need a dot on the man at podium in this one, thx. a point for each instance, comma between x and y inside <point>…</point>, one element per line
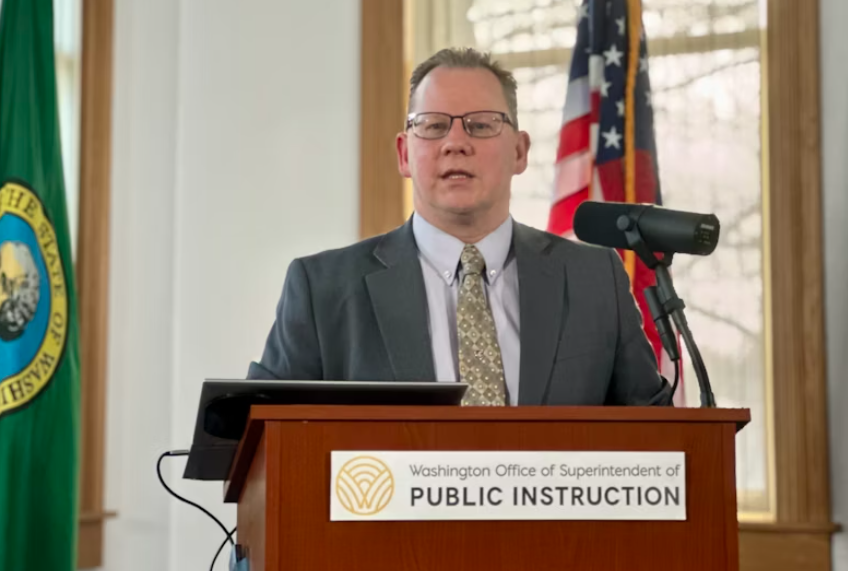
<point>461,291</point>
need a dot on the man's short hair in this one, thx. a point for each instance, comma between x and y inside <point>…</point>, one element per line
<point>468,58</point>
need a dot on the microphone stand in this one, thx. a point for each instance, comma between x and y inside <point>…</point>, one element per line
<point>663,301</point>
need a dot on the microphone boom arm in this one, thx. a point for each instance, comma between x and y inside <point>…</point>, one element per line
<point>669,302</point>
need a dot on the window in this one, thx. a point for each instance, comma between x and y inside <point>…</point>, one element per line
<point>67,31</point>
<point>705,63</point>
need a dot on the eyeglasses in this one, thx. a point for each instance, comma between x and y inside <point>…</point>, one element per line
<point>478,124</point>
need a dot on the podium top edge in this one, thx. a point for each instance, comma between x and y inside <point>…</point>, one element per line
<point>738,416</point>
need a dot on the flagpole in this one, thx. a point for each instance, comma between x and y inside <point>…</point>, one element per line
<point>634,24</point>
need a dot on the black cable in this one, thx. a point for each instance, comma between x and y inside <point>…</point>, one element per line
<point>220,547</point>
<point>676,378</point>
<point>707,397</point>
<point>228,534</point>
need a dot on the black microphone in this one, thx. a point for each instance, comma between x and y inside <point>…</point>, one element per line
<point>647,230</point>
<point>663,230</point>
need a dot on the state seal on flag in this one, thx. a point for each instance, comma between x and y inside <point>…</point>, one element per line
<point>33,297</point>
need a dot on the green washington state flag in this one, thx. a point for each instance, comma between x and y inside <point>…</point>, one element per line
<point>39,340</point>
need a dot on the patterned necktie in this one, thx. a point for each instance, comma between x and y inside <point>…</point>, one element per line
<point>480,362</point>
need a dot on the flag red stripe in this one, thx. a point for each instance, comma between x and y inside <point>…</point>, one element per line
<point>574,137</point>
<point>611,175</point>
<point>596,106</point>
<point>562,213</point>
<point>572,174</point>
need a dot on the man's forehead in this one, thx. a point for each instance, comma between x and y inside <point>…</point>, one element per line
<point>459,90</point>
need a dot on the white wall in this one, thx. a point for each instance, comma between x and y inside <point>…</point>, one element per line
<point>235,149</point>
<point>141,283</point>
<point>834,73</point>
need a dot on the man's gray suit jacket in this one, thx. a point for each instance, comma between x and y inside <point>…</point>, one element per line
<point>360,313</point>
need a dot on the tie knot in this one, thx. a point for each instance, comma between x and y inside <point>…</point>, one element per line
<point>472,260</point>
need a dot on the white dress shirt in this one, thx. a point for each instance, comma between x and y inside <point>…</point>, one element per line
<point>439,255</point>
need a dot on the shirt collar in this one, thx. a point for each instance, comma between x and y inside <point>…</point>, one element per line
<point>442,251</point>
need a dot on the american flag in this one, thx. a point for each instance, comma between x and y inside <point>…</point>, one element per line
<point>606,147</point>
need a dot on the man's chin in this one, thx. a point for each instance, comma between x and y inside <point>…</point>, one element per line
<point>463,209</point>
<point>462,202</point>
<point>459,205</point>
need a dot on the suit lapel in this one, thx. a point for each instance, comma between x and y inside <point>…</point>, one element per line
<point>541,285</point>
<point>400,304</point>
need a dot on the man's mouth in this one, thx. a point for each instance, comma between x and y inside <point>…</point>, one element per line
<point>457,174</point>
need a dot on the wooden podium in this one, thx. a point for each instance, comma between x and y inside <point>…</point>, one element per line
<point>280,478</point>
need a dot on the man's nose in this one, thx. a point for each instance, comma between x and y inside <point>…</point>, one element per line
<point>457,141</point>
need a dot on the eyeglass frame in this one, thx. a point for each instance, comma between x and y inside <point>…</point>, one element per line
<point>504,117</point>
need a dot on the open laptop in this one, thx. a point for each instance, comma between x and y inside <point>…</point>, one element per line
<point>225,404</point>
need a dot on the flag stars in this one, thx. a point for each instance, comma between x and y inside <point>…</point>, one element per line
<point>605,85</point>
<point>621,23</point>
<point>619,105</point>
<point>613,56</point>
<point>612,139</point>
<point>643,64</point>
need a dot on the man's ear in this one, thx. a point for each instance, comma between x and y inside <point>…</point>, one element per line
<point>402,147</point>
<point>522,148</point>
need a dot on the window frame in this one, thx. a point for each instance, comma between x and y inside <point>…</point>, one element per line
<point>92,269</point>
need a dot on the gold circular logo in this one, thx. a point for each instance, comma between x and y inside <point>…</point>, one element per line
<point>364,485</point>
<point>33,298</point>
